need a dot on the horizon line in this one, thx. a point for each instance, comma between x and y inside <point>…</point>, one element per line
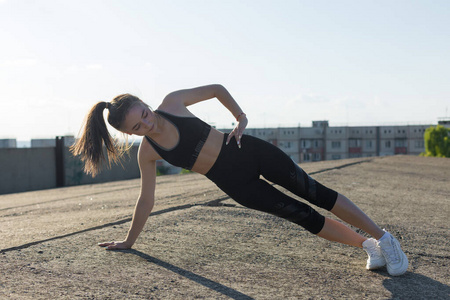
<point>269,126</point>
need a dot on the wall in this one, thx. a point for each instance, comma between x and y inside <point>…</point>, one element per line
<point>74,175</point>
<point>26,169</point>
<point>8,143</point>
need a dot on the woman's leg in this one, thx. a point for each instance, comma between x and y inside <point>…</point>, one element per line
<point>262,196</point>
<point>237,173</point>
<point>258,194</point>
<point>278,168</point>
<point>347,211</point>
<point>256,157</point>
<point>337,232</point>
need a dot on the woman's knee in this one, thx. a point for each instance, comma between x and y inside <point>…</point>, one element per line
<point>262,196</point>
<point>313,191</point>
<point>303,215</point>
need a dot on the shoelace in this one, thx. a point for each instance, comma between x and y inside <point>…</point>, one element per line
<point>391,252</point>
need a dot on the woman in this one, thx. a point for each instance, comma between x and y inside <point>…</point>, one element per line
<point>234,162</point>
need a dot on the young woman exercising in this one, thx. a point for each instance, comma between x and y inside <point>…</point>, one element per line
<point>234,162</point>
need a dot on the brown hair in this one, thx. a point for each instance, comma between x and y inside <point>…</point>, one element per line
<point>95,134</point>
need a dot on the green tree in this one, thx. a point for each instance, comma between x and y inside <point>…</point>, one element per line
<point>162,170</point>
<point>437,141</point>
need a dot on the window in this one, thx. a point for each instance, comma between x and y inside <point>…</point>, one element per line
<point>387,144</point>
<point>369,144</point>
<point>335,145</point>
<point>400,143</point>
<point>354,143</point>
<point>306,144</point>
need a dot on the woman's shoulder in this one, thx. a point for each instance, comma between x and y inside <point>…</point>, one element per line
<point>175,108</point>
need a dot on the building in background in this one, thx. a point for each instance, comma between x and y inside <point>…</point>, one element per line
<point>322,142</point>
<point>8,143</point>
<point>444,122</point>
<point>69,140</point>
<point>317,143</point>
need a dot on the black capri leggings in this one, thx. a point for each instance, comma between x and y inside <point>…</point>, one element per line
<point>237,173</point>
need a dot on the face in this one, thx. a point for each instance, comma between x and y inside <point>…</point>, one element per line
<point>140,120</point>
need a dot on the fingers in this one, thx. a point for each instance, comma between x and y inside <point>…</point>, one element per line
<point>238,140</point>
<point>105,244</point>
<point>229,138</point>
<point>238,131</point>
<point>110,245</point>
<point>116,245</point>
<point>237,135</point>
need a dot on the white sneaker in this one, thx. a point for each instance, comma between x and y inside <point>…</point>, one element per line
<point>376,259</point>
<point>396,260</point>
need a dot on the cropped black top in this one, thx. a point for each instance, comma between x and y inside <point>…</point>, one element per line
<point>192,133</point>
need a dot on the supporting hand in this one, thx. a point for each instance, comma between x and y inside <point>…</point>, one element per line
<point>115,245</point>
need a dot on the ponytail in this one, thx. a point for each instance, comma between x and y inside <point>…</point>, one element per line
<point>93,137</point>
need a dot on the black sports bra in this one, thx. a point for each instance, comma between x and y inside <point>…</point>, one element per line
<point>192,133</point>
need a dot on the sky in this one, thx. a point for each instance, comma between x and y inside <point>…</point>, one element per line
<point>286,63</point>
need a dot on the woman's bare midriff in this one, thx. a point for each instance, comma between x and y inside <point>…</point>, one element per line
<point>209,153</point>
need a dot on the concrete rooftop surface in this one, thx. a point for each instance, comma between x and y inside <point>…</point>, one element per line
<point>200,244</point>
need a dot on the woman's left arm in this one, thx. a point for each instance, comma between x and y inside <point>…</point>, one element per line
<point>195,95</point>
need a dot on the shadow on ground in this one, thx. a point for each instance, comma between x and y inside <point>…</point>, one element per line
<point>416,286</point>
<point>220,288</point>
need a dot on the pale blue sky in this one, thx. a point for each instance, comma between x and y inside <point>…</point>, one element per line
<point>285,62</point>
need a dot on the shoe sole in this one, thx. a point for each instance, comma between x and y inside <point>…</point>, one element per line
<point>374,267</point>
<point>402,270</point>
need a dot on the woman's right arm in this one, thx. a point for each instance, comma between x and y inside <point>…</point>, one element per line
<point>144,204</point>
